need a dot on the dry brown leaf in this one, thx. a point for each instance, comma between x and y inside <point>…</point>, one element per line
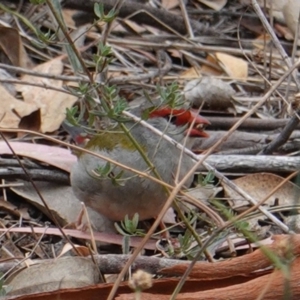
<point>204,193</point>
<point>13,110</point>
<point>62,203</point>
<point>12,209</point>
<point>214,4</point>
<point>68,17</point>
<point>170,217</point>
<point>55,156</point>
<point>134,26</point>
<point>291,14</point>
<point>190,73</point>
<point>284,31</point>
<point>9,249</point>
<point>83,250</point>
<point>262,41</point>
<point>175,53</point>
<point>258,186</point>
<point>52,103</point>
<point>11,44</point>
<point>208,70</point>
<point>62,273</point>
<point>235,67</point>
<point>152,30</point>
<point>169,4</point>
<point>60,199</point>
<point>124,25</point>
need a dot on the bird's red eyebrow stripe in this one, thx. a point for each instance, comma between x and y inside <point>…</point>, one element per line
<point>182,116</point>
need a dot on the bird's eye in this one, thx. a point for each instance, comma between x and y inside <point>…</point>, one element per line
<point>172,119</point>
<point>111,175</point>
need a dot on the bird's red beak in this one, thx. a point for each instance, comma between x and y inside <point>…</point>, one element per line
<point>184,117</point>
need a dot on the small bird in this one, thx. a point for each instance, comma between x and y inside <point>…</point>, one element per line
<point>114,192</point>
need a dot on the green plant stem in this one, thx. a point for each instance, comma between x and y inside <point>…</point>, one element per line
<point>68,38</point>
<point>22,18</point>
<point>117,6</point>
<point>76,52</point>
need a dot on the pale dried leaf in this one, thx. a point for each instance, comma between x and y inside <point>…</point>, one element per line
<point>170,217</point>
<point>262,41</point>
<point>62,203</point>
<point>12,110</point>
<point>291,14</point>
<point>190,73</point>
<point>258,186</point>
<point>236,68</point>
<point>84,251</point>
<point>55,156</point>
<point>169,4</point>
<point>68,17</point>
<point>204,193</point>
<point>214,4</point>
<point>123,26</point>
<point>11,44</point>
<point>206,69</point>
<point>62,273</point>
<point>175,53</point>
<point>13,210</point>
<point>9,249</point>
<point>285,32</point>
<point>52,103</point>
<point>134,26</point>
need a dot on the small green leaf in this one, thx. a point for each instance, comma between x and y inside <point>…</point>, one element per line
<point>71,116</point>
<point>103,171</point>
<point>135,220</point>
<point>120,230</point>
<point>99,10</point>
<point>91,120</point>
<point>130,227</point>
